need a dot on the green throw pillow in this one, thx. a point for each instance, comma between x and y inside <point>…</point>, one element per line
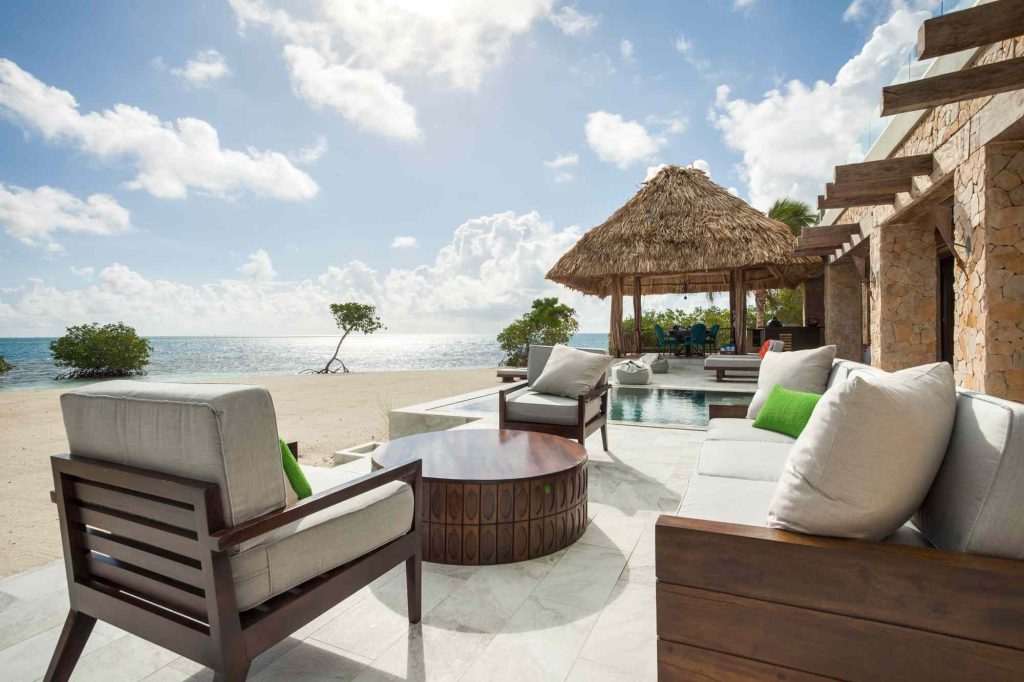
<point>786,411</point>
<point>294,472</point>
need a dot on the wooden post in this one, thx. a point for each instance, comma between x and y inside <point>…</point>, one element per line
<point>741,312</point>
<point>732,307</point>
<point>638,317</point>
<point>615,332</point>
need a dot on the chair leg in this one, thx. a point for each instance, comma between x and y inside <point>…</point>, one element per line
<point>604,437</point>
<point>233,670</point>
<point>77,628</point>
<point>414,586</point>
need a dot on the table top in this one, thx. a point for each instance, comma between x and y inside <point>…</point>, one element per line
<point>483,454</point>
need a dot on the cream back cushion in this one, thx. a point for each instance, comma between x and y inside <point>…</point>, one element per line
<point>221,433</point>
<point>570,372</point>
<point>798,370</point>
<point>868,455</point>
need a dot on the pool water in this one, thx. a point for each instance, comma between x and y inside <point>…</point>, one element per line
<point>665,406</point>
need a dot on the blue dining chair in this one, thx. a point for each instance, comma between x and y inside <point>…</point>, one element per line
<point>712,338</point>
<point>664,339</point>
<point>698,334</point>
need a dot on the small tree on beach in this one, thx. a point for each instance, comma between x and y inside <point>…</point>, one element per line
<point>91,351</point>
<point>350,317</point>
<point>5,366</point>
<point>548,322</point>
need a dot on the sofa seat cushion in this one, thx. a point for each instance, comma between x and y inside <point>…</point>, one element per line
<point>743,459</point>
<point>544,408</point>
<point>728,428</point>
<point>293,554</point>
<point>727,499</point>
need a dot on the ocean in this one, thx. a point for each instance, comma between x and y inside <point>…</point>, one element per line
<point>208,357</point>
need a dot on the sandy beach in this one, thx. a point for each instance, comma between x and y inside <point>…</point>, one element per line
<point>324,413</point>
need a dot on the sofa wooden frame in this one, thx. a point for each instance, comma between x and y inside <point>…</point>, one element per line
<point>747,602</point>
<point>578,431</point>
<point>149,553</point>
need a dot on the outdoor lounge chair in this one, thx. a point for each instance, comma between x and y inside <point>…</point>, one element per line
<point>178,524</point>
<point>720,364</point>
<point>664,340</point>
<point>521,408</point>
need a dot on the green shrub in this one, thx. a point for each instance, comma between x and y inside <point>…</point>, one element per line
<point>90,351</point>
<point>548,322</point>
<point>5,366</point>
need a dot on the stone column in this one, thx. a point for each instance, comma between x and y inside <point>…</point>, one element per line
<point>904,295</point>
<point>842,303</point>
<point>814,299</point>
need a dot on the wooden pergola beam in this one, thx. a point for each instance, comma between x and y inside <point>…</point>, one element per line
<point>851,202</point>
<point>974,27</point>
<point>979,81</point>
<point>867,188</point>
<point>811,252</point>
<point>898,167</point>
<point>821,241</point>
<point>838,230</point>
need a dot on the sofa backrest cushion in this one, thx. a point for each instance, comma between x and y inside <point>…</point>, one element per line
<point>537,360</point>
<point>220,433</point>
<point>800,370</point>
<point>976,503</point>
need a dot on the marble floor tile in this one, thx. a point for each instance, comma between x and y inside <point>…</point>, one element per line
<point>615,530</point>
<point>539,643</point>
<point>372,625</point>
<point>584,577</point>
<point>591,671</point>
<point>51,577</point>
<point>28,618</point>
<point>625,635</point>
<point>436,650</point>
<point>640,566</point>
<point>313,661</point>
<point>127,659</point>
<point>28,659</point>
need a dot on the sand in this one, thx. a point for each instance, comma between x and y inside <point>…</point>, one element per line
<point>324,413</point>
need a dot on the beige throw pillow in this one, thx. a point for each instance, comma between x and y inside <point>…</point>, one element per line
<point>868,455</point>
<point>799,370</point>
<point>570,372</point>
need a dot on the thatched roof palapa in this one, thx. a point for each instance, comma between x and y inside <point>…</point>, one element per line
<point>683,233</point>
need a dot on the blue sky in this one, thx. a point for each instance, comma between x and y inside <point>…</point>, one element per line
<point>226,167</point>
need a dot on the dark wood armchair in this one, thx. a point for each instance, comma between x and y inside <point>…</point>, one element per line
<point>149,553</point>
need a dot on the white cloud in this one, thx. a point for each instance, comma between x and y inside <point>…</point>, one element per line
<point>683,44</point>
<point>618,141</point>
<point>792,137</point>
<point>561,163</point>
<point>702,165</point>
<point>572,22</point>
<point>308,155</point>
<point>85,272</point>
<point>699,164</point>
<point>351,56</point>
<point>403,242</point>
<point>206,67</point>
<point>170,158</point>
<point>362,96</point>
<point>33,216</point>
<point>626,49</point>
<point>258,268</point>
<point>742,4</point>
<point>486,276</point>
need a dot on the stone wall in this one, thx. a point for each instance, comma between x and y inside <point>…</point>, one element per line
<point>843,310</point>
<point>814,300</point>
<point>904,284</point>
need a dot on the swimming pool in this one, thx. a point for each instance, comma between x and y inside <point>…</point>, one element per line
<point>663,406</point>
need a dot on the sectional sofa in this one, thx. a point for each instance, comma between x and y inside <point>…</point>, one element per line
<point>941,599</point>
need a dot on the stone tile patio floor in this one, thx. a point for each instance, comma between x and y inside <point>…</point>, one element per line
<point>584,613</point>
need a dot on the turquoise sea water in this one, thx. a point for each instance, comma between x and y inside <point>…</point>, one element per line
<point>206,357</point>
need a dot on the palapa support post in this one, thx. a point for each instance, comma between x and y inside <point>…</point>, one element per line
<point>738,309</point>
<point>638,317</point>
<point>616,319</point>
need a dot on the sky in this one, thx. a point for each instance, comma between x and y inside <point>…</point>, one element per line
<point>230,167</point>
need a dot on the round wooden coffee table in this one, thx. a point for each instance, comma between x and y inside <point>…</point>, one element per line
<point>494,496</point>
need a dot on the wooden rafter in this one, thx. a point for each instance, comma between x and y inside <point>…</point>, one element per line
<point>867,188</point>
<point>843,230</point>
<point>818,241</point>
<point>801,252</point>
<point>978,81</point>
<point>974,27</point>
<point>850,202</point>
<point>898,167</point>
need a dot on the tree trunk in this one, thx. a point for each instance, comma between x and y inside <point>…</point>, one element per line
<point>327,367</point>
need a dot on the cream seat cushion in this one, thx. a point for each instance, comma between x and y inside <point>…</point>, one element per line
<point>728,428</point>
<point>743,459</point>
<point>544,408</point>
<point>798,370</point>
<point>293,554</point>
<point>868,455</point>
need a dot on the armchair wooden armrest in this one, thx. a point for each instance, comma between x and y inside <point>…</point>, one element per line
<point>410,473</point>
<point>848,609</point>
<point>595,392</point>
<point>726,411</point>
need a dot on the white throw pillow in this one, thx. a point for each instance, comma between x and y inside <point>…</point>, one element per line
<point>868,455</point>
<point>570,372</point>
<point>797,370</point>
